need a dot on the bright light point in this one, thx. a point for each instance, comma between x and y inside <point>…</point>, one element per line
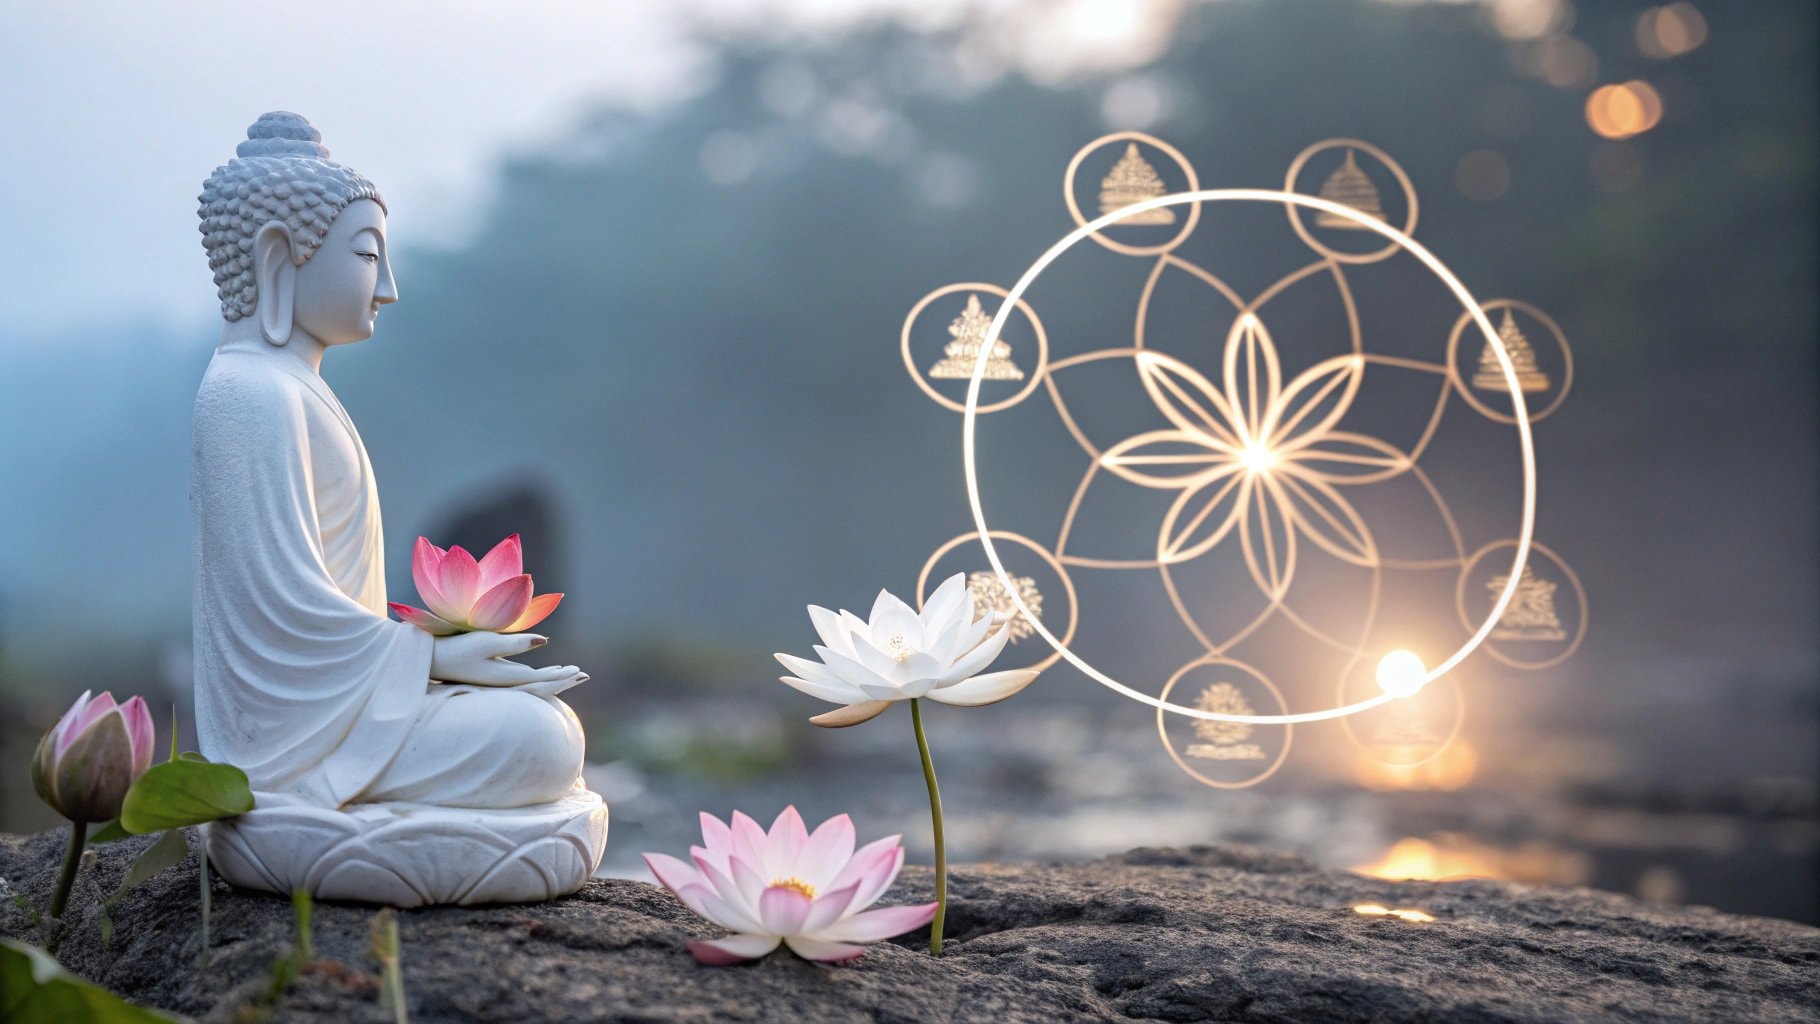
<point>1257,458</point>
<point>1401,673</point>
<point>1400,913</point>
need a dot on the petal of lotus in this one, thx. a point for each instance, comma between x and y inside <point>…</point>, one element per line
<point>733,892</point>
<point>458,581</point>
<point>784,843</point>
<point>717,837</point>
<point>875,867</point>
<point>879,666</point>
<point>749,846</point>
<point>139,730</point>
<point>944,607</point>
<point>918,687</point>
<point>91,712</point>
<point>854,625</point>
<point>540,608</point>
<point>705,903</point>
<point>987,689</point>
<point>829,627</point>
<point>426,621</point>
<point>822,678</point>
<point>823,952</point>
<point>783,910</point>
<point>897,619</point>
<point>977,659</point>
<point>751,885</point>
<point>505,561</point>
<point>734,949</point>
<point>426,569</point>
<point>671,873</point>
<point>883,607</point>
<point>92,776</point>
<point>502,605</point>
<point>946,646</point>
<point>852,714</point>
<point>827,850</point>
<point>842,694</point>
<point>64,730</point>
<point>876,925</point>
<point>850,669</point>
<point>828,908</point>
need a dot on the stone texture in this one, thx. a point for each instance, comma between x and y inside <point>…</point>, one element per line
<point>1167,935</point>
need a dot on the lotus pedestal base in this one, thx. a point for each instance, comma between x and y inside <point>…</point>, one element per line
<point>409,855</point>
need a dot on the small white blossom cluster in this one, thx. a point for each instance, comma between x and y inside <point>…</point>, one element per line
<point>281,172</point>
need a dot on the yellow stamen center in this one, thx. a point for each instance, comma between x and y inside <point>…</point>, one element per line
<point>795,883</point>
<point>899,648</point>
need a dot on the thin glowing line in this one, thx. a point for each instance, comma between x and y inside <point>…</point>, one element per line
<point>1263,195</point>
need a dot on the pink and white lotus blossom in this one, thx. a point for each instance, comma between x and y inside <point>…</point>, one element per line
<point>899,654</point>
<point>806,890</point>
<point>91,757</point>
<point>493,594</point>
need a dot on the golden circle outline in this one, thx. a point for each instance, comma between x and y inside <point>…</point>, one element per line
<point>1036,373</point>
<point>1163,729</point>
<point>1566,570</point>
<point>1525,438</point>
<point>1459,720</point>
<point>1396,169</point>
<point>1074,208</point>
<point>1054,563</point>
<point>1459,381</point>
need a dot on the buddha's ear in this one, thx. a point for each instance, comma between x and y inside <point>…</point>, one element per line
<point>275,275</point>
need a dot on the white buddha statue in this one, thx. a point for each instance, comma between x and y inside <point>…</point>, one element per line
<point>387,764</point>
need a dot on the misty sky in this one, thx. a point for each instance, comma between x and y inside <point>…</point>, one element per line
<point>114,113</point>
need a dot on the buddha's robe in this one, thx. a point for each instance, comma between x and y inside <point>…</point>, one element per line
<point>301,678</point>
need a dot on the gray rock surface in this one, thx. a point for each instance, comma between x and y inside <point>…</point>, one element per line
<point>1167,935</point>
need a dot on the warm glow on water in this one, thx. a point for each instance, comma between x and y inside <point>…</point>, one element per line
<point>1447,857</point>
<point>1401,913</point>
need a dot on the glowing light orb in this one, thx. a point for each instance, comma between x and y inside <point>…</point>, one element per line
<point>1402,674</point>
<point>1257,458</point>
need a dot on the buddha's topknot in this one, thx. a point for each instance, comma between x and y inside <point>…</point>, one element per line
<point>281,172</point>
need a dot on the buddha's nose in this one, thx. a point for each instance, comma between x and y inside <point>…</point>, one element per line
<point>385,291</point>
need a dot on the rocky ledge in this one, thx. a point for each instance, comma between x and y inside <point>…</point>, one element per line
<point>1171,935</point>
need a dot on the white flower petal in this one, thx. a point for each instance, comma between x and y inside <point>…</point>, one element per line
<point>978,658</point>
<point>944,606</point>
<point>852,714</point>
<point>829,627</point>
<point>987,689</point>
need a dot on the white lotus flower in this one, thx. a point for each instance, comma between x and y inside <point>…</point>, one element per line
<point>898,654</point>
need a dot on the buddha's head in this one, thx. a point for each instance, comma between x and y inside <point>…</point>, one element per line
<point>295,238</point>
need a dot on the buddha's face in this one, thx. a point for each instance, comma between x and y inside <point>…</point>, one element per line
<point>342,286</point>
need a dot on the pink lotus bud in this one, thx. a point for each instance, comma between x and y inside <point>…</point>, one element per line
<point>88,761</point>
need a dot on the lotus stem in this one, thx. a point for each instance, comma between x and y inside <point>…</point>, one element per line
<point>935,818</point>
<point>72,860</point>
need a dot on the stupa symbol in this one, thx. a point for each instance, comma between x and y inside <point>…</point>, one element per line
<point>1224,741</point>
<point>1490,376</point>
<point>1403,731</point>
<point>969,331</point>
<point>1349,186</point>
<point>991,598</point>
<point>1531,612</point>
<point>1133,180</point>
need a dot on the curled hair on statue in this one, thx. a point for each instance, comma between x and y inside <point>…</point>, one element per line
<point>282,172</point>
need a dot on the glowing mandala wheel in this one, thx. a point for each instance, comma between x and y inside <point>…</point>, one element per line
<point>1254,449</point>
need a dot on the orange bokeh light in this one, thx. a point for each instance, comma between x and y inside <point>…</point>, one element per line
<point>1623,110</point>
<point>1665,32</point>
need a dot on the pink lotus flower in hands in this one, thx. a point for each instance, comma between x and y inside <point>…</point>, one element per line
<point>86,763</point>
<point>809,891</point>
<point>493,594</point>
